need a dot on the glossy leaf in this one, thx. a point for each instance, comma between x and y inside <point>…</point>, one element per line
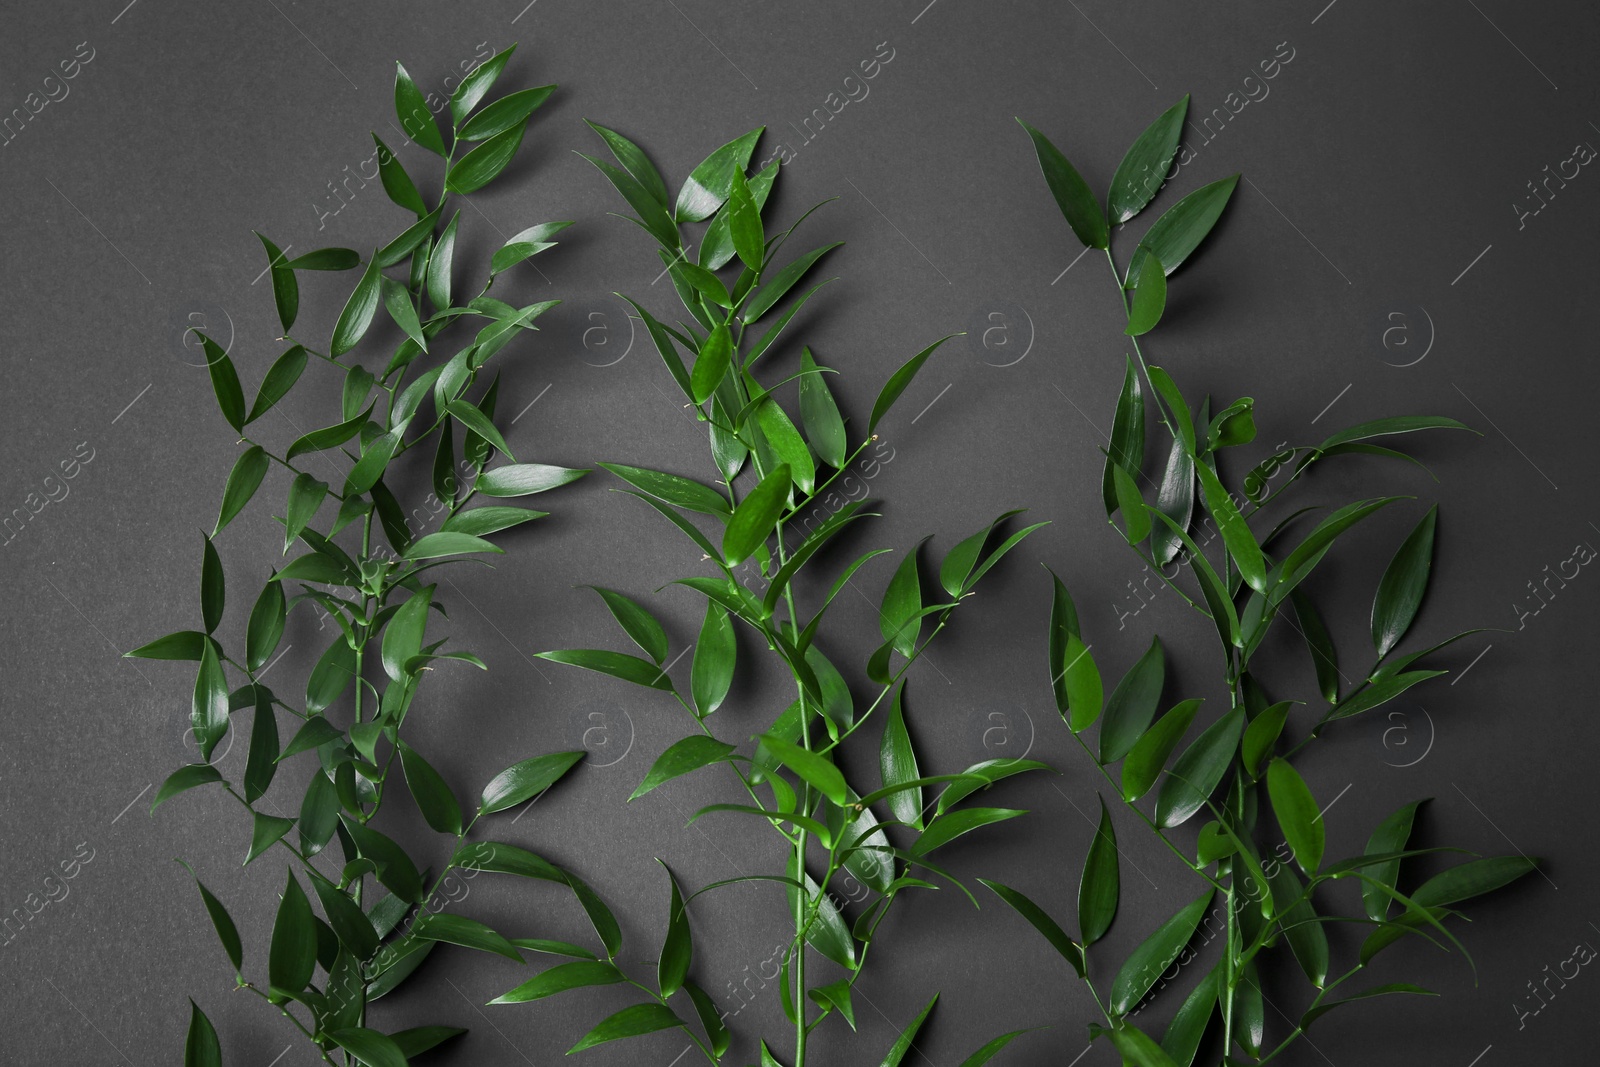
<point>396,182</point>
<point>1137,1047</point>
<point>616,664</point>
<point>952,824</point>
<point>1178,232</point>
<point>629,1022</point>
<point>1241,543</point>
<point>293,952</point>
<point>280,378</point>
<point>1127,435</point>
<point>1392,835</point>
<point>1188,1026</point>
<point>579,974</point>
<point>201,1047</point>
<point>460,930</point>
<point>1155,954</point>
<point>1297,814</point>
<point>1100,888</point>
<point>525,479</point>
<point>1150,299</point>
<point>357,315</point>
<point>711,673</point>
<point>677,949</point>
<point>778,285</point>
<point>1261,736</point>
<point>898,383</point>
<point>369,1047</point>
<point>510,110</point>
<point>434,797</point>
<point>487,520</point>
<point>1143,170</point>
<point>224,383</point>
<point>1148,757</point>
<point>897,1051</point>
<point>1197,772</point>
<point>1132,704</point>
<point>522,780</point>
<point>208,711</point>
<point>640,626</point>
<point>900,615</point>
<point>1077,203</point>
<point>689,754</point>
<point>709,183</point>
<point>1403,585</point>
<point>815,770</point>
<point>898,763</point>
<point>756,516</point>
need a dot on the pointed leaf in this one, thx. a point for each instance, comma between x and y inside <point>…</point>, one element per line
<point>1178,232</point>
<point>1155,954</point>
<point>1143,170</point>
<point>1403,584</point>
<point>1072,194</point>
<point>1100,887</point>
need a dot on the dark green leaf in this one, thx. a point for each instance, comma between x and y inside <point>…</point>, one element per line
<point>488,520</point>
<point>1390,426</point>
<point>357,315</point>
<point>282,375</point>
<point>1100,888</point>
<point>674,490</point>
<point>816,770</point>
<point>182,645</point>
<point>786,445</point>
<point>952,824</point>
<point>617,664</point>
<point>709,183</point>
<point>1149,300</point>
<point>293,953</point>
<point>1178,232</point>
<point>200,1047</point>
<point>744,221</point>
<point>1261,736</point>
<point>222,922</point>
<point>1137,1047</point>
<point>416,118</point>
<point>468,933</point>
<point>1127,435</point>
<point>1155,954</point>
<point>1148,757</point>
<point>1403,584</point>
<point>521,781</point>
<point>476,85</point>
<point>1072,194</point>
<point>185,778</point>
<point>774,289</point>
<point>1188,1027</point>
<point>1143,170</point>
<point>500,858</point>
<point>433,794</point>
<point>756,516</point>
<point>1236,535</point>
<point>510,110</point>
<point>560,978</point>
<point>678,948</point>
<point>1324,659</point>
<point>897,384</point>
<point>898,762</point>
<point>1392,835</point>
<point>262,762</point>
<point>641,626</point>
<point>715,653</point>
<point>1133,704</point>
<point>711,363</point>
<point>525,245</point>
<point>419,1039</point>
<point>897,1051</point>
<point>525,479</point>
<point>445,543</point>
<point>1197,772</point>
<point>1320,1010</point>
<point>1297,814</point>
<point>629,1022</point>
<point>1306,936</point>
<point>900,616</point>
<point>396,182</point>
<point>285,289</point>
<point>208,711</point>
<point>689,754</point>
<point>634,161</point>
<point>369,1047</point>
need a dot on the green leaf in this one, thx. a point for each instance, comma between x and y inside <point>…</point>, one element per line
<point>786,444</point>
<point>710,1019</point>
<point>1391,836</point>
<point>1155,954</point>
<point>677,491</point>
<point>897,1051</point>
<point>484,163</point>
<point>395,868</point>
<point>653,217</point>
<point>1077,203</point>
<point>1234,425</point>
<point>1188,1026</point>
<point>265,832</point>
<point>500,858</point>
<point>525,479</point>
<point>185,778</point>
<point>285,289</point>
<point>1306,936</point>
<point>579,974</point>
<point>222,922</point>
<point>522,780</point>
<point>396,182</point>
<point>369,1047</point>
<point>711,363</point>
<point>689,754</point>
<point>305,497</point>
<point>419,1039</point>
<point>476,85</point>
<point>335,670</point>
<point>1403,584</point>
<point>281,376</point>
<point>897,383</point>
<point>416,118</point>
<point>756,516</point>
<point>1199,769</point>
<point>1298,818</point>
<point>525,245</point>
<point>1178,232</point>
<point>952,824</point>
<point>262,762</point>
<point>992,1049</point>
<point>678,947</point>
<point>633,161</point>
<point>182,645</point>
<point>208,711</point>
<point>816,770</point>
<point>898,763</point>
<point>1262,735</point>
<point>1137,1047</point>
<point>1236,535</point>
<point>1313,1014</point>
<point>433,795</point>
<point>616,664</point>
<point>1073,675</point>
<point>709,183</point>
<point>468,933</point>
<point>224,383</point>
<point>293,953</point>
<point>1100,887</point>
<point>629,1022</point>
<point>1390,426</point>
<point>820,414</point>
<point>314,732</point>
<point>981,776</point>
<point>1149,300</point>
<point>349,923</point>
<point>775,288</point>
<point>200,1046</point>
<point>212,588</point>
<point>357,315</point>
<point>1133,704</point>
<point>1143,170</point>
<point>744,221</point>
<point>327,259</point>
<point>900,615</point>
<point>1472,879</point>
<point>1127,436</point>
<point>1148,757</point>
<point>443,543</point>
<point>1324,659</point>
<point>328,436</point>
<point>404,313</point>
<point>1380,692</point>
<point>641,626</point>
<point>711,674</point>
<point>488,520</point>
<point>510,110</point>
<point>1130,502</point>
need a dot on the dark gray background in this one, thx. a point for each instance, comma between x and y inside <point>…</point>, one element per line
<point>1383,170</point>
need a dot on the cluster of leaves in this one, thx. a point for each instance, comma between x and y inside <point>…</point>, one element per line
<point>377,923</point>
<point>1222,771</point>
<point>770,521</point>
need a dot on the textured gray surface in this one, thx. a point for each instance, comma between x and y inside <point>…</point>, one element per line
<point>1384,166</point>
